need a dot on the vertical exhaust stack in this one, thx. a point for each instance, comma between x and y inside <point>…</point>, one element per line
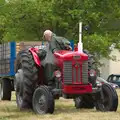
<point>80,44</point>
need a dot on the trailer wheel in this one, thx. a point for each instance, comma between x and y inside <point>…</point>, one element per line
<point>107,100</point>
<point>84,102</point>
<point>27,79</point>
<point>43,100</point>
<point>5,89</point>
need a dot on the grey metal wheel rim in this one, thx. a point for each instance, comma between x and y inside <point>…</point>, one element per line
<point>40,103</point>
<point>1,91</point>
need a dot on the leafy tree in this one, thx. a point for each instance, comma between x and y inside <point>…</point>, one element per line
<point>2,20</point>
<point>27,19</point>
<point>96,16</point>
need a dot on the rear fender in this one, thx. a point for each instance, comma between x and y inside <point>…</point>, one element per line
<point>35,56</point>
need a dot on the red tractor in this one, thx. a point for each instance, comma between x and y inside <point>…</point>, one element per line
<point>73,78</point>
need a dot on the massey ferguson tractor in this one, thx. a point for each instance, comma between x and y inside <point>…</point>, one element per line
<point>73,78</point>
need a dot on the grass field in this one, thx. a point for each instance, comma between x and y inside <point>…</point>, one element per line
<point>64,110</point>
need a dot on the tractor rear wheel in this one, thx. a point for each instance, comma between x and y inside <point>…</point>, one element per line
<point>43,100</point>
<point>108,99</point>
<point>19,88</point>
<point>26,80</point>
<point>5,89</point>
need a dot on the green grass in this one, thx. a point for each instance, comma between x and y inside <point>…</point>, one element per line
<point>64,110</point>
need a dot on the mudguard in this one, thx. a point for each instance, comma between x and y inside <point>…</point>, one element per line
<point>35,56</point>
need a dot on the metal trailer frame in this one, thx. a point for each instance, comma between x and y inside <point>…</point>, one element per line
<point>12,46</point>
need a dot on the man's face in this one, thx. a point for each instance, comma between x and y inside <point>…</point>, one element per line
<point>47,37</point>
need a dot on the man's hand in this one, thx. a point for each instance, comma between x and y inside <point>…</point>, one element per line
<point>68,47</point>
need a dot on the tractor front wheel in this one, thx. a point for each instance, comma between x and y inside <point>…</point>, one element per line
<point>107,100</point>
<point>43,100</point>
<point>84,102</point>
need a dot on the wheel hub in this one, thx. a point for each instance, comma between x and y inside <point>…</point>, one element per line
<point>41,103</point>
<point>42,100</point>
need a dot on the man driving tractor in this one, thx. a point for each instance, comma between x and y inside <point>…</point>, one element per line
<point>55,43</point>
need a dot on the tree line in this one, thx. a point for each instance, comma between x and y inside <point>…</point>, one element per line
<point>26,20</point>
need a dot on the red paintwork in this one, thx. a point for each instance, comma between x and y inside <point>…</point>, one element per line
<point>61,56</point>
<point>64,55</point>
<point>77,89</point>
<point>68,55</point>
<point>75,48</point>
<point>35,56</point>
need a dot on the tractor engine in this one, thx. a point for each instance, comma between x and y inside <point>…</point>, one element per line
<point>74,72</point>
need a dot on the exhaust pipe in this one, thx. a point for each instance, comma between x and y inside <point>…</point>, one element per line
<point>80,44</point>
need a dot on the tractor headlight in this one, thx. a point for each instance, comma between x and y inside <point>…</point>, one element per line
<point>92,73</point>
<point>57,74</point>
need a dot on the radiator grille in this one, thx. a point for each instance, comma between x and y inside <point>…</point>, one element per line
<point>67,72</point>
<point>76,74</point>
<point>85,72</point>
<point>68,69</point>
